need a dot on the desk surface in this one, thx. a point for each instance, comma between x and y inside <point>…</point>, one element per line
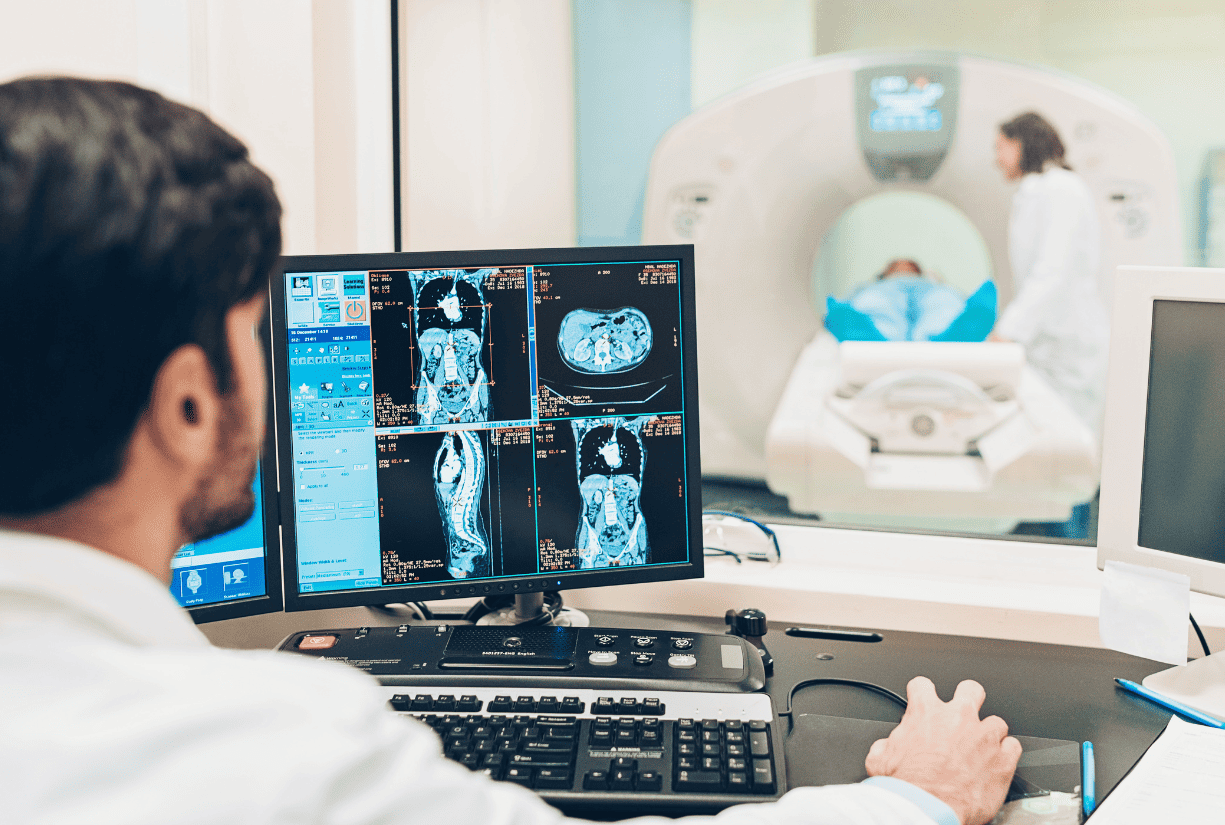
<point>1052,691</point>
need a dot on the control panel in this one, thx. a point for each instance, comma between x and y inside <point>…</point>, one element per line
<point>540,656</point>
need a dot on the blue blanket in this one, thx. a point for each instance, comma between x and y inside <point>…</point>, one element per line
<point>912,309</point>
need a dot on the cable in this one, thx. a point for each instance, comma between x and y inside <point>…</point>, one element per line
<point>1202,641</point>
<point>877,689</point>
<point>419,608</point>
<point>552,607</point>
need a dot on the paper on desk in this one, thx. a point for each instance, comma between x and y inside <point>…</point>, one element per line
<point>1144,612</point>
<point>1180,779</point>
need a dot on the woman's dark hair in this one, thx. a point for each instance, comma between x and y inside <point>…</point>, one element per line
<point>129,226</point>
<point>1039,141</point>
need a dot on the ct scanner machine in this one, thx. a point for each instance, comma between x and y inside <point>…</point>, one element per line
<point>948,435</point>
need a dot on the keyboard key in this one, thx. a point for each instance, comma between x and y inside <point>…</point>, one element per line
<point>554,779</point>
<point>525,704</point>
<point>737,781</point>
<point>469,704</point>
<point>572,704</point>
<point>711,750</point>
<point>604,704</point>
<point>711,763</point>
<point>763,776</point>
<point>626,737</point>
<point>540,760</point>
<point>652,707</point>
<point>759,743</point>
<point>548,704</point>
<point>650,781</point>
<point>471,760</point>
<point>596,781</point>
<point>687,763</point>
<point>521,776</point>
<point>684,724</point>
<point>500,704</point>
<point>624,763</point>
<point>621,780</point>
<point>757,724</point>
<point>710,736</point>
<point>687,750</point>
<point>545,747</point>
<point>736,764</point>
<point>734,750</point>
<point>710,724</point>
<point>423,702</point>
<point>650,737</point>
<point>445,703</point>
<point>733,724</point>
<point>628,704</point>
<point>700,781</point>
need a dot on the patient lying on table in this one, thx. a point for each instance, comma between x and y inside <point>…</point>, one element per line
<point>904,305</point>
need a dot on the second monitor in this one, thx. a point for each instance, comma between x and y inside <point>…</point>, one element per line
<point>486,423</point>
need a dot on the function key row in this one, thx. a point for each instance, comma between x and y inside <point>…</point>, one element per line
<point>425,703</point>
<point>447,703</point>
<point>628,706</point>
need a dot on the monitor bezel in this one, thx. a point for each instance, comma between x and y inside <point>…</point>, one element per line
<point>273,600</point>
<point>533,583</point>
<point>1136,288</point>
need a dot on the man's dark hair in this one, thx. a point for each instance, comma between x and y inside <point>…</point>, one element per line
<point>1039,141</point>
<point>129,226</point>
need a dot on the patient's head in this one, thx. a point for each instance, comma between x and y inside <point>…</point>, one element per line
<point>901,267</point>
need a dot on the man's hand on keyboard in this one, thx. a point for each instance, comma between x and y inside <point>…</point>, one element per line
<point>945,749</point>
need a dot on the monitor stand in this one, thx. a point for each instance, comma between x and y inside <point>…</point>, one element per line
<point>529,607</point>
<point>1199,684</point>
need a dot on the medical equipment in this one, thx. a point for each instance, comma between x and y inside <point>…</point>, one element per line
<point>1164,449</point>
<point>756,179</point>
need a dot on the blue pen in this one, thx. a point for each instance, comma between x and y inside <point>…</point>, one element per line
<point>1168,703</point>
<point>1088,775</point>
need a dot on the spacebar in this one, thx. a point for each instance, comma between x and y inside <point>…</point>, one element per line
<point>508,663</point>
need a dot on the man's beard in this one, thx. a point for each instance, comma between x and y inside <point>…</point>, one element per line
<point>224,498</point>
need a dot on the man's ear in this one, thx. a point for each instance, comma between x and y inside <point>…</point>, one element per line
<point>183,418</point>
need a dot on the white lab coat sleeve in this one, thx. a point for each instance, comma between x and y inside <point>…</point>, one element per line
<point>1043,286</point>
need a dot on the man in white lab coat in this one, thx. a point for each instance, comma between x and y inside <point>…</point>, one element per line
<point>1054,246</point>
<point>136,240</point>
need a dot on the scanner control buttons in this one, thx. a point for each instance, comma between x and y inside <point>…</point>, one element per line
<point>682,644</point>
<point>644,641</point>
<point>603,658</point>
<point>683,661</point>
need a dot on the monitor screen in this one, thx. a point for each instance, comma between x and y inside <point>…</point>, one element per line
<point>1182,487</point>
<point>237,573</point>
<point>486,423</point>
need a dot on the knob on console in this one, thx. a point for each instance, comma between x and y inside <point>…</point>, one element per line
<point>747,622</point>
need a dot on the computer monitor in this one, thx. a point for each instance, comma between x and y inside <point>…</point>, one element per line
<point>1163,461</point>
<point>486,423</point>
<point>237,573</point>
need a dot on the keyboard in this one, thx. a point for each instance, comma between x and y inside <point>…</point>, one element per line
<point>587,750</point>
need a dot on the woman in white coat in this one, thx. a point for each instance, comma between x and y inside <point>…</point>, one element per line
<point>1054,245</point>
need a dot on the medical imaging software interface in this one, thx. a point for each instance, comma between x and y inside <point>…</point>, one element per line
<point>481,423</point>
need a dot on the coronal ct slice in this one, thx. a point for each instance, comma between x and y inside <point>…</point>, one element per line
<point>450,316</point>
<point>611,460</point>
<point>604,341</point>
<point>459,477</point>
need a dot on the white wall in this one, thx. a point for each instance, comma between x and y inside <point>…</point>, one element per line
<point>320,128</point>
<point>488,123</point>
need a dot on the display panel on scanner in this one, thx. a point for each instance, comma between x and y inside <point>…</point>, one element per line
<point>485,423</point>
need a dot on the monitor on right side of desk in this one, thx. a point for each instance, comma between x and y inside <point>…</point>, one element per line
<point>1163,458</point>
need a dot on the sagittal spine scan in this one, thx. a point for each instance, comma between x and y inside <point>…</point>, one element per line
<point>611,460</point>
<point>459,476</point>
<point>604,341</point>
<point>450,316</point>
